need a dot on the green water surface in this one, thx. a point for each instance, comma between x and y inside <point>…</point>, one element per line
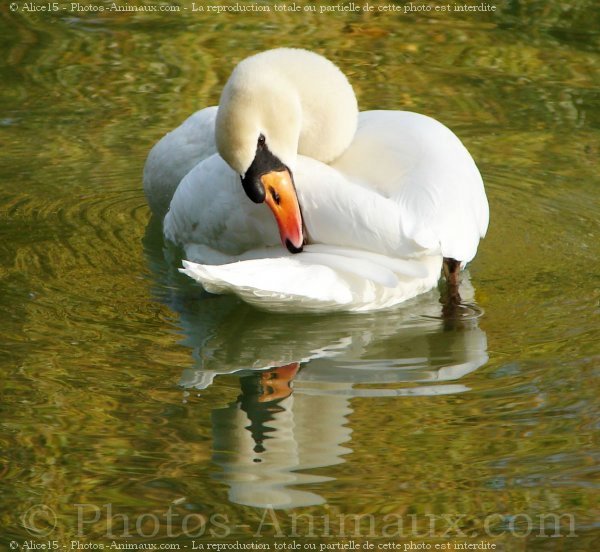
<point>129,390</point>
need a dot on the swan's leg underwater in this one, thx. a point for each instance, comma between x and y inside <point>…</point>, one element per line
<point>451,272</point>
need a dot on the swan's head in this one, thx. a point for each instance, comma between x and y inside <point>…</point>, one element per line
<point>274,106</point>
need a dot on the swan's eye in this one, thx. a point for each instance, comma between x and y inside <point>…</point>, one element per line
<point>261,141</point>
<point>276,197</point>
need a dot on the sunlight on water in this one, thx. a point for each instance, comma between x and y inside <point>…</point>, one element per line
<point>125,384</point>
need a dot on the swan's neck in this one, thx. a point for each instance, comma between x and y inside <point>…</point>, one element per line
<point>299,100</point>
<point>327,102</point>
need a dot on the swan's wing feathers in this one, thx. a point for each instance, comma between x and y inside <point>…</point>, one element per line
<point>319,279</point>
<point>424,168</point>
<point>343,264</point>
<point>270,283</point>
<point>175,154</point>
<point>445,210</point>
<point>404,267</point>
<point>211,217</point>
<point>338,211</point>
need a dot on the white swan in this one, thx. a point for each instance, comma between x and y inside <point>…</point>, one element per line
<point>376,199</point>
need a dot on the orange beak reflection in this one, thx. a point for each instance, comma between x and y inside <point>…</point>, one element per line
<point>280,196</point>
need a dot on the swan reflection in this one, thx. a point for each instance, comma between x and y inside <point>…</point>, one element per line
<point>263,448</point>
<point>300,374</point>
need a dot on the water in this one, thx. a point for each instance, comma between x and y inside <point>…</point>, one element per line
<point>127,389</point>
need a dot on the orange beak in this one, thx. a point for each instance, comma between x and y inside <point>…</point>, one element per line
<point>280,196</point>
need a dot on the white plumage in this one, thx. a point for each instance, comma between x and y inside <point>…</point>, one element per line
<point>400,192</point>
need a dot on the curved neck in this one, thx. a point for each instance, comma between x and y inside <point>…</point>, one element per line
<point>329,111</point>
<point>299,100</point>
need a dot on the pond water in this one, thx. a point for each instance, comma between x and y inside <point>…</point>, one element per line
<point>130,392</point>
